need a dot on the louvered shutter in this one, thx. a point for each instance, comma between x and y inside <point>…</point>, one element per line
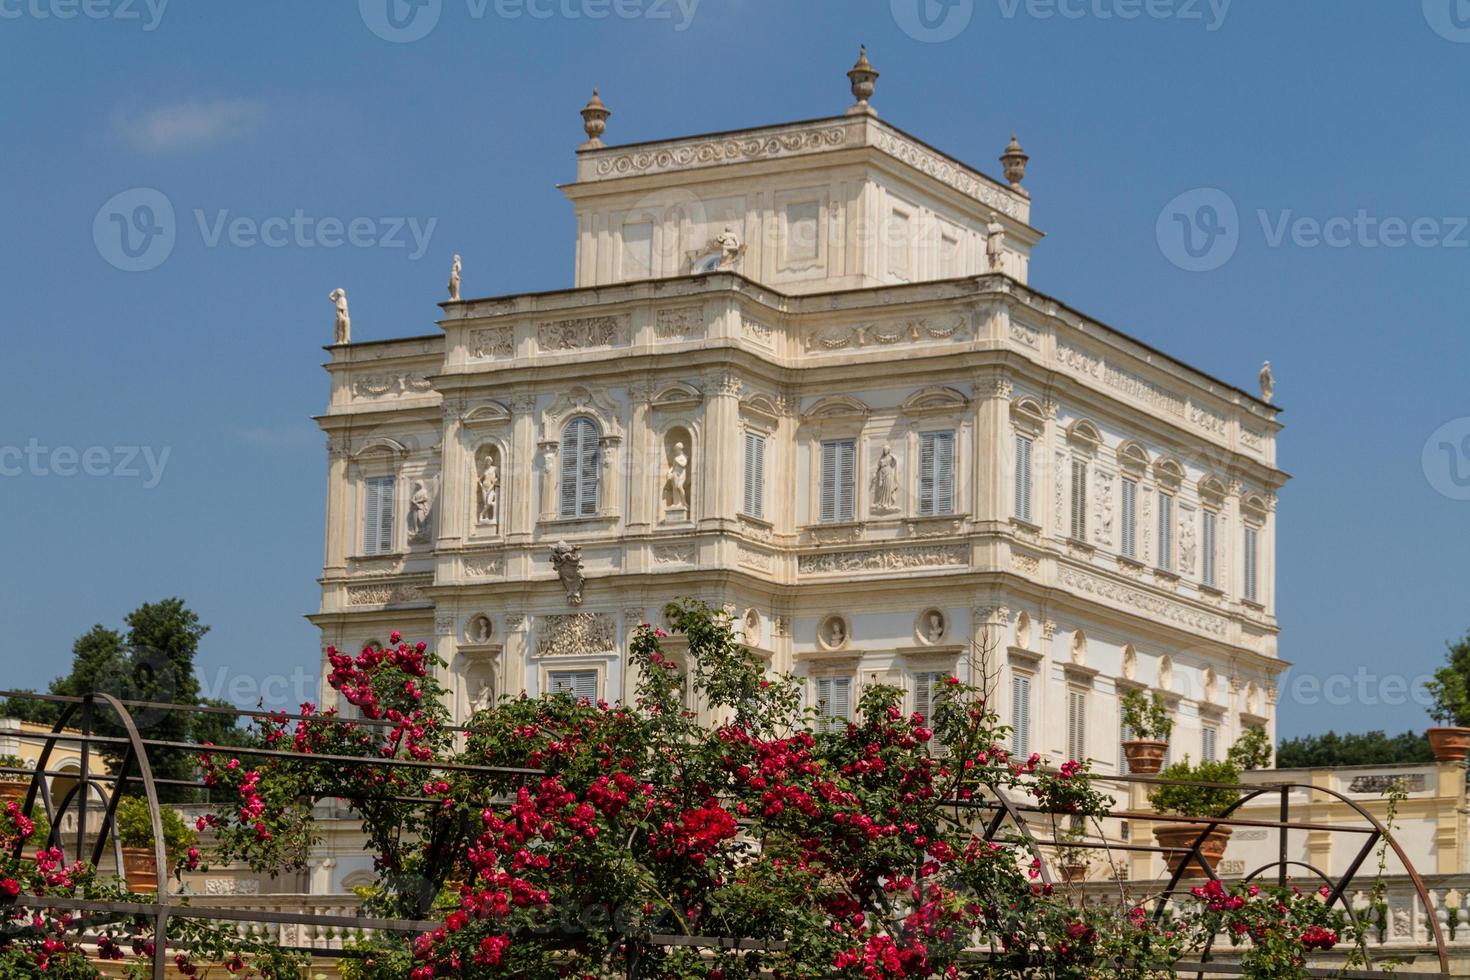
<point>941,473</point>
<point>828,481</point>
<point>589,479</point>
<point>1250,564</point>
<point>847,480</point>
<point>834,700</point>
<point>1079,500</point>
<point>571,452</point>
<point>1023,478</point>
<point>1125,734</point>
<point>927,473</point>
<point>1130,518</point>
<point>1021,716</point>
<point>378,509</point>
<point>1209,737</point>
<point>580,684</point>
<point>755,474</point>
<point>1077,725</point>
<point>928,689</point>
<point>1207,543</point>
<point>1166,532</point>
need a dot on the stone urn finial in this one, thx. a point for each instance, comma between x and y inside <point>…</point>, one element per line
<point>1014,160</point>
<point>594,120</point>
<point>862,76</point>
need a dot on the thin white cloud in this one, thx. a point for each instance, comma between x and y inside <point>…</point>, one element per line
<point>187,125</point>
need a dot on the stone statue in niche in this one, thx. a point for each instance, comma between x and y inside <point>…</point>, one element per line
<point>833,632</point>
<point>885,483</point>
<point>729,245</point>
<point>483,696</point>
<point>933,626</point>
<point>676,484</point>
<point>420,514</point>
<point>344,319</point>
<point>480,629</point>
<point>489,480</point>
<point>995,236</point>
<point>567,560</point>
<point>454,270</point>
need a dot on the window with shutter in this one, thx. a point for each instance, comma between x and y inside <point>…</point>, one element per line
<point>1209,735</point>
<point>936,473</point>
<point>834,701</point>
<point>1079,500</point>
<point>379,500</point>
<point>1249,560</point>
<point>580,684</point>
<point>581,457</point>
<point>1125,734</point>
<point>1077,725</point>
<point>1166,532</point>
<point>1023,478</point>
<point>755,474</point>
<point>839,480</point>
<point>1020,716</point>
<point>1207,548</point>
<point>1129,545</point>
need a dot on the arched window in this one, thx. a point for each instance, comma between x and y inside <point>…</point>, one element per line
<point>581,458</point>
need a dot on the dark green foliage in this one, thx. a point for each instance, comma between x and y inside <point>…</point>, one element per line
<point>1353,749</point>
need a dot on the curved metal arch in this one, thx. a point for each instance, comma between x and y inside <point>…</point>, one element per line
<point>1380,831</point>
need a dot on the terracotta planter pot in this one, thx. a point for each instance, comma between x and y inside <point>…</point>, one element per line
<point>1145,756</point>
<point>12,789</point>
<point>140,869</point>
<point>1449,744</point>
<point>1181,836</point>
<point>1073,872</point>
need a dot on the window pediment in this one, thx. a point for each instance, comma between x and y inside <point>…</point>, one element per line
<point>678,395</point>
<point>490,413</point>
<point>1028,414</point>
<point>381,447</point>
<point>1169,472</point>
<point>935,399</point>
<point>1084,433</point>
<point>837,407</point>
<point>1132,456</point>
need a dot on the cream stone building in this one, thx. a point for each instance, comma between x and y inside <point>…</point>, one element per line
<point>800,375</point>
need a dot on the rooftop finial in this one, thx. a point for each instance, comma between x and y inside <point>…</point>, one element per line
<point>862,76</point>
<point>594,120</point>
<point>1014,160</point>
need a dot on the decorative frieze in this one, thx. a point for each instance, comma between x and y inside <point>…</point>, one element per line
<point>758,333</point>
<point>948,172</point>
<point>389,385</point>
<point>575,634</point>
<point>886,333</point>
<point>673,554</point>
<point>578,333</point>
<point>484,566</point>
<point>678,323</point>
<point>1025,335</point>
<point>883,559</point>
<point>711,153</point>
<point>492,342</point>
<point>385,593</point>
<point>754,558</point>
<point>1158,607</point>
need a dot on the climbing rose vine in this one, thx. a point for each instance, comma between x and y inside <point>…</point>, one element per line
<point>561,838</point>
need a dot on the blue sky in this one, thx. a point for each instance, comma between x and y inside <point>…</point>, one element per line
<point>1294,109</point>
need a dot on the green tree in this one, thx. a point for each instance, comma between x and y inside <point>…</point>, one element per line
<point>153,662</point>
<point>1353,749</point>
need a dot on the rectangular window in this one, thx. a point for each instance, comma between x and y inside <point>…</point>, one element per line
<point>1129,545</point>
<point>936,473</point>
<point>1079,500</point>
<point>1166,531</point>
<point>1209,738</point>
<point>1023,478</point>
<point>755,474</point>
<point>1077,725</point>
<point>834,701</point>
<point>839,480</point>
<point>580,684</point>
<point>929,688</point>
<point>1207,546</point>
<point>377,515</point>
<point>1249,561</point>
<point>1020,716</point>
